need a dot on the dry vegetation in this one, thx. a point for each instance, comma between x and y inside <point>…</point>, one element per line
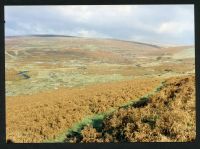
<point>42,116</point>
<point>55,83</point>
<point>168,116</point>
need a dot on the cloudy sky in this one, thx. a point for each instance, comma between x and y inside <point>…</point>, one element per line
<point>163,24</point>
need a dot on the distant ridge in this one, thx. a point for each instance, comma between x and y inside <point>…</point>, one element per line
<point>50,35</point>
<point>136,42</point>
<point>114,39</point>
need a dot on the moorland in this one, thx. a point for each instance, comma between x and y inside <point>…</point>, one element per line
<point>75,89</point>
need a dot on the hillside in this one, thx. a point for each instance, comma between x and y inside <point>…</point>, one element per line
<point>58,61</point>
<point>166,116</point>
<point>58,87</point>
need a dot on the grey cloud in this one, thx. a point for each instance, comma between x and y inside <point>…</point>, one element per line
<point>165,24</point>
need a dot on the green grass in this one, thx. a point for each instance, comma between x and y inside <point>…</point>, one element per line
<point>66,79</point>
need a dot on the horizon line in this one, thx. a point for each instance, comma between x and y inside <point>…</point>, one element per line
<point>158,45</point>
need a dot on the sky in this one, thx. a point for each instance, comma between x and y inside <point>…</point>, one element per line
<point>160,24</point>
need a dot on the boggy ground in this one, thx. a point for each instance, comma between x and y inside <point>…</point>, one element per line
<point>43,116</point>
<point>167,116</point>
